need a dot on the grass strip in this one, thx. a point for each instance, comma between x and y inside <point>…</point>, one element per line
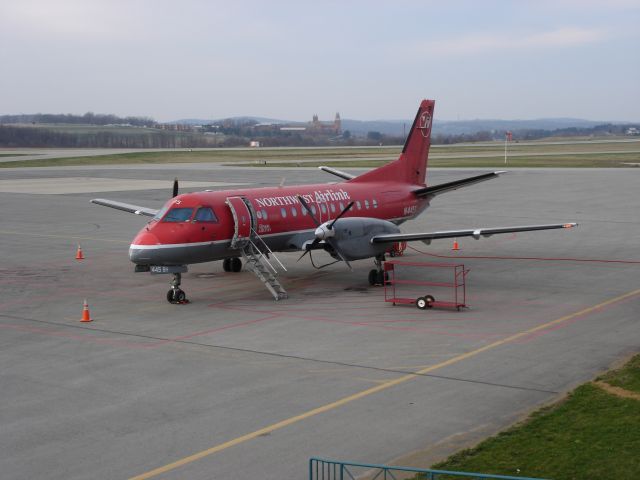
<point>590,434</point>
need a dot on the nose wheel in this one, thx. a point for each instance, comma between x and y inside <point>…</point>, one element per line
<point>176,295</point>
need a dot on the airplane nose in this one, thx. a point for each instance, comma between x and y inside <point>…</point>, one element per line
<point>141,250</point>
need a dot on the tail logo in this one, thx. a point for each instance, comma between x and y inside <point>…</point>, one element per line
<point>424,124</point>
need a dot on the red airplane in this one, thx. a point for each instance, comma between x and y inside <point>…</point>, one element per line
<point>351,220</point>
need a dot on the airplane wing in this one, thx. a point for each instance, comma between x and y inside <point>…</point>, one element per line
<point>125,207</point>
<point>337,173</point>
<point>449,186</point>
<point>475,233</point>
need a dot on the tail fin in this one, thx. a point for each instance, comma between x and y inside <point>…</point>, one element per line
<point>411,166</point>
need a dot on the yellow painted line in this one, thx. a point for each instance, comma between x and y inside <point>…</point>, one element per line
<point>68,237</point>
<point>365,393</point>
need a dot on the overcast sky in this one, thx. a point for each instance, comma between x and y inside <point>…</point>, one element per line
<point>291,59</point>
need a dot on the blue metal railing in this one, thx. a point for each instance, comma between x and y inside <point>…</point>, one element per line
<point>322,469</point>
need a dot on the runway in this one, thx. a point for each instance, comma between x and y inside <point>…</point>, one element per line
<point>235,385</point>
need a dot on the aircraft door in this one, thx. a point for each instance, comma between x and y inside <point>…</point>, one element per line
<point>244,220</point>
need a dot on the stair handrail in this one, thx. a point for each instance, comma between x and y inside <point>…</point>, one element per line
<point>255,234</point>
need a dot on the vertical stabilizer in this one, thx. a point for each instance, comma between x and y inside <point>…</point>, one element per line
<point>411,166</point>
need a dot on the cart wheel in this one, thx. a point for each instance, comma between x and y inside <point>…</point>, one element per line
<point>421,303</point>
<point>429,299</point>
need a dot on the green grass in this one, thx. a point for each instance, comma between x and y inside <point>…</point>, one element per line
<point>590,434</point>
<point>566,161</point>
<point>577,155</point>
<point>627,377</point>
<point>200,156</point>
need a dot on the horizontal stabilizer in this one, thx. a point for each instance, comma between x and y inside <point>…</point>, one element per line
<point>449,186</point>
<point>125,207</point>
<point>475,233</point>
<point>337,173</point>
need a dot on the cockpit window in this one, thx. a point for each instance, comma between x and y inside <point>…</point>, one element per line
<point>205,214</point>
<point>161,212</point>
<point>178,215</point>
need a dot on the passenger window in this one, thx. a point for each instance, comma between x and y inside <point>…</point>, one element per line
<point>178,215</point>
<point>205,214</point>
<point>259,214</point>
<point>304,211</point>
<point>313,209</point>
<point>283,212</point>
<point>341,205</point>
<point>358,205</point>
<point>375,203</point>
<point>294,212</point>
<point>264,215</point>
<point>366,204</point>
<point>323,207</point>
<point>333,208</point>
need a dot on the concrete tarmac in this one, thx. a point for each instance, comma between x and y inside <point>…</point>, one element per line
<point>235,385</point>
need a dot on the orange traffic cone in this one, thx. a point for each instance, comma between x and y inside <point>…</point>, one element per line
<point>86,316</point>
<point>455,244</point>
<point>79,254</point>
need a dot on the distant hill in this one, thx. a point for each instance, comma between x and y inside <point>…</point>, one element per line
<point>401,127</point>
<point>466,127</point>
<point>202,121</point>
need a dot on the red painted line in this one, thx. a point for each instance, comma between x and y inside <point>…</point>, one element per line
<point>212,330</point>
<point>542,259</point>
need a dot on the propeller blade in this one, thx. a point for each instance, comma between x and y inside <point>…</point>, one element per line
<point>308,209</point>
<point>342,257</point>
<point>301,256</point>
<point>175,187</point>
<point>346,209</point>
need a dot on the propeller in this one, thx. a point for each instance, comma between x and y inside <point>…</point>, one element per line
<point>325,231</point>
<point>175,187</point>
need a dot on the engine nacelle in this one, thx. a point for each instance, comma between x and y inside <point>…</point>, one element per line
<point>353,235</point>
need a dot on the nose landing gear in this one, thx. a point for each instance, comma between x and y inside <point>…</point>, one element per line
<point>176,295</point>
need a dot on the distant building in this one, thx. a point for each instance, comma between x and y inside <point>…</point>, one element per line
<point>632,131</point>
<point>178,127</point>
<point>332,128</point>
<point>314,127</point>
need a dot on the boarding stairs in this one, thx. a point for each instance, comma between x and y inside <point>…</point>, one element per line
<point>253,248</point>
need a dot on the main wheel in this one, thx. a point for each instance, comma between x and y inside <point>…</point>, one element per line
<point>383,277</point>
<point>373,277</point>
<point>236,264</point>
<point>421,303</point>
<point>226,264</point>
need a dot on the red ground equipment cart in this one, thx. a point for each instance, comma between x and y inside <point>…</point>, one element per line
<point>445,287</point>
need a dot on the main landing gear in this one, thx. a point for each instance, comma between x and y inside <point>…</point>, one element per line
<point>232,264</point>
<point>377,276</point>
<point>176,295</point>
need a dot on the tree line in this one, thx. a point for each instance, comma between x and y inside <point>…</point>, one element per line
<point>88,118</point>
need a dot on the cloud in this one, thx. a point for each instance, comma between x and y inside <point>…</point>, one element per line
<point>472,44</point>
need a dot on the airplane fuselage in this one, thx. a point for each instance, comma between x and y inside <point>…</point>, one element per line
<point>191,235</point>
